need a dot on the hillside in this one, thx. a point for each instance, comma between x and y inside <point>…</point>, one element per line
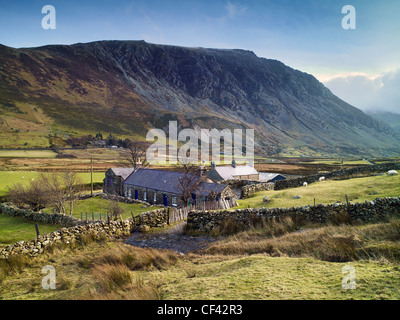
<point>128,87</point>
<point>392,119</point>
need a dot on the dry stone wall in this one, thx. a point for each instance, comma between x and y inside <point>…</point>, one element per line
<point>380,208</point>
<point>249,189</point>
<point>75,229</point>
<point>54,218</point>
<point>97,230</point>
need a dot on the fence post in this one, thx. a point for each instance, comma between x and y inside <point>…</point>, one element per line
<point>37,230</point>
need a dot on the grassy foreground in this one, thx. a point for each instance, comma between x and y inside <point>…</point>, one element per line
<point>256,264</point>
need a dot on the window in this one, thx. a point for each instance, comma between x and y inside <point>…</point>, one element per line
<point>145,195</point>
<point>174,201</point>
<point>155,197</point>
<point>129,193</point>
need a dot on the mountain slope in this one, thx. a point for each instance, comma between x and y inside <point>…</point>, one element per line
<point>127,87</point>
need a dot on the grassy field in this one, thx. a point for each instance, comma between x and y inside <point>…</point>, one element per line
<point>14,229</point>
<point>27,154</point>
<point>329,191</point>
<point>97,206</point>
<point>295,269</point>
<point>8,178</point>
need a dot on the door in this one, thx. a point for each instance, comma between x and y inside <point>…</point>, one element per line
<point>165,200</point>
<point>194,199</point>
<point>136,194</point>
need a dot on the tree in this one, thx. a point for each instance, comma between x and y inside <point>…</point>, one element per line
<point>188,182</point>
<point>34,196</point>
<point>73,185</point>
<point>55,190</point>
<point>134,154</point>
<point>113,208</point>
<point>49,189</point>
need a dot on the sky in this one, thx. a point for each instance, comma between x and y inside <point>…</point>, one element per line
<point>361,65</point>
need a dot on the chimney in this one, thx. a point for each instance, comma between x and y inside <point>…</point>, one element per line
<point>233,163</point>
<point>202,171</point>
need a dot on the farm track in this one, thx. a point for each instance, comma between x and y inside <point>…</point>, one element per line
<point>172,239</point>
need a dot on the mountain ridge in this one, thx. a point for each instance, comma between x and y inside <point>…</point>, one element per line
<point>128,87</point>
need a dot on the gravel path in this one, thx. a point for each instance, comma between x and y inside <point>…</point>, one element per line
<point>171,239</point>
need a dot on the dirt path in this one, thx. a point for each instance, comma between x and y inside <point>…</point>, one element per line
<point>171,239</point>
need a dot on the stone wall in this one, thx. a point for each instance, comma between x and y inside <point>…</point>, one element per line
<point>155,218</point>
<point>97,230</point>
<point>298,182</point>
<point>380,208</point>
<point>77,229</point>
<point>54,218</point>
<point>249,189</point>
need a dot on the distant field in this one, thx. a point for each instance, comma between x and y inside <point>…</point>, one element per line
<point>339,162</point>
<point>9,178</point>
<point>325,192</point>
<point>27,154</point>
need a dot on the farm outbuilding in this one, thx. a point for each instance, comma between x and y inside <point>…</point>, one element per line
<point>233,171</point>
<point>115,177</point>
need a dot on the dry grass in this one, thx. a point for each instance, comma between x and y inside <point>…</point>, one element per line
<point>334,243</point>
<point>114,268</point>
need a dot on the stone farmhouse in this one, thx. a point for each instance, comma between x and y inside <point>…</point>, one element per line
<point>164,187</point>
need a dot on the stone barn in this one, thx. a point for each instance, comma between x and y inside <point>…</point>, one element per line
<point>163,187</point>
<point>115,177</point>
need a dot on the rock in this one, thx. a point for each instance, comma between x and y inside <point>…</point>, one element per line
<point>266,199</point>
<point>392,172</point>
<point>144,228</point>
<point>297,197</point>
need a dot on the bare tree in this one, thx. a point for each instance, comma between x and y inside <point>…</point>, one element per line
<point>134,154</point>
<point>72,186</point>
<point>33,196</point>
<point>49,189</point>
<point>113,207</point>
<point>55,190</point>
<point>188,182</point>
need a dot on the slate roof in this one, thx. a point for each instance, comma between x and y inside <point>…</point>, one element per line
<point>265,176</point>
<point>205,188</point>
<point>167,181</point>
<point>229,172</point>
<point>123,172</point>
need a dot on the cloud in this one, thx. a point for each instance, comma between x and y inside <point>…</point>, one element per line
<point>233,10</point>
<point>368,92</point>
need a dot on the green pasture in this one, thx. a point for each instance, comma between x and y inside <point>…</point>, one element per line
<point>9,178</point>
<point>329,191</point>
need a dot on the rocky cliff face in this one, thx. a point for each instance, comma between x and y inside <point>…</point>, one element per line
<point>127,87</point>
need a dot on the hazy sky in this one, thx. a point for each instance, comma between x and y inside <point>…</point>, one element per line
<point>361,66</point>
